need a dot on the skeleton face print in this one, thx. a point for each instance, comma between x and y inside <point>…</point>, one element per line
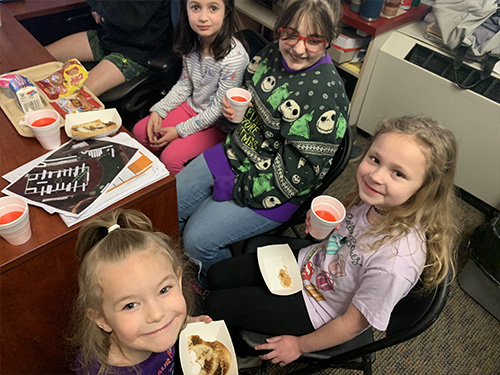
<point>263,164</point>
<point>254,64</point>
<point>268,83</point>
<point>296,179</point>
<point>326,122</point>
<point>290,110</point>
<point>231,155</point>
<point>302,162</point>
<point>270,202</point>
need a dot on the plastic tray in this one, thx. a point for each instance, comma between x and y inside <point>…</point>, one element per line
<point>34,73</point>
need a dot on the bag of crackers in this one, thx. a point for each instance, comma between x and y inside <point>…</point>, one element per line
<point>65,81</point>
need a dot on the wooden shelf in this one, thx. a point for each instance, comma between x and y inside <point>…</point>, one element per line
<point>382,24</point>
<point>254,10</point>
<point>26,9</point>
<point>353,69</point>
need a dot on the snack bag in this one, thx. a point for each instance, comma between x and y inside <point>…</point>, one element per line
<point>65,81</point>
<point>82,101</point>
<point>4,84</point>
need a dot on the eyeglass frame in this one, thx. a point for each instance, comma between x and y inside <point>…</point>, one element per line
<point>326,44</point>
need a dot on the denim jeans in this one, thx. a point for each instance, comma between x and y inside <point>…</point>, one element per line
<point>207,226</point>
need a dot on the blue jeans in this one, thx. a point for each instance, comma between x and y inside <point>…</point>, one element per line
<point>208,227</point>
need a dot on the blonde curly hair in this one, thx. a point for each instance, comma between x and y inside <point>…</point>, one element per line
<point>433,206</point>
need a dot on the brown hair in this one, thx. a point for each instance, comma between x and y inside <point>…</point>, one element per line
<point>133,233</point>
<point>324,14</point>
<point>433,206</point>
<point>186,40</point>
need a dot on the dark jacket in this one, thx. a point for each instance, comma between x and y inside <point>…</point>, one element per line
<point>134,28</point>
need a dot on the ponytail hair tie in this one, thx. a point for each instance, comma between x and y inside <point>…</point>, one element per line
<point>113,227</point>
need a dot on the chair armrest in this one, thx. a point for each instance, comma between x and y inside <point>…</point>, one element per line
<point>163,61</point>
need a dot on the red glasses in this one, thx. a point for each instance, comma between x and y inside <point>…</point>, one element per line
<point>312,44</point>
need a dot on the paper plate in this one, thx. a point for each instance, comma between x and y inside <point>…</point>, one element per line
<point>271,259</point>
<point>209,332</point>
<point>104,115</point>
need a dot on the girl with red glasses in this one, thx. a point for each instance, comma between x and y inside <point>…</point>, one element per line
<point>258,177</point>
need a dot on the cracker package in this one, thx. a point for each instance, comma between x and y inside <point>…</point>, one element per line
<point>64,82</point>
<point>82,101</point>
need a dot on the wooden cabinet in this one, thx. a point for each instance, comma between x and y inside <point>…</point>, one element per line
<point>38,279</point>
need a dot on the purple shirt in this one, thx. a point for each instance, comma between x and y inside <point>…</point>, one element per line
<point>156,364</point>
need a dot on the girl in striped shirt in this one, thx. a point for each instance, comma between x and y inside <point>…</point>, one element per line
<point>188,120</point>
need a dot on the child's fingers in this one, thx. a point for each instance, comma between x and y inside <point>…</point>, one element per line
<point>199,318</point>
<point>151,131</point>
<point>308,221</point>
<point>228,113</point>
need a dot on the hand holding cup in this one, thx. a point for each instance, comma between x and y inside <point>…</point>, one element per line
<point>239,100</point>
<point>325,215</point>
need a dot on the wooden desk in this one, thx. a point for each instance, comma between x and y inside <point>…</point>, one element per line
<point>36,8</point>
<point>18,48</point>
<point>38,278</point>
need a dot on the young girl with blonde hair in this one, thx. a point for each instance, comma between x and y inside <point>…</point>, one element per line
<point>433,207</point>
<point>399,227</point>
<point>131,306</point>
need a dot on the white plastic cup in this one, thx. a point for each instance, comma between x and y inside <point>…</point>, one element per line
<point>326,213</point>
<point>239,100</point>
<point>49,136</point>
<point>14,228</point>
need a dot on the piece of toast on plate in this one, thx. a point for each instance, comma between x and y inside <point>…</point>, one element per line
<point>213,357</point>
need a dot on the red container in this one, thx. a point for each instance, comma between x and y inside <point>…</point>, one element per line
<point>405,4</point>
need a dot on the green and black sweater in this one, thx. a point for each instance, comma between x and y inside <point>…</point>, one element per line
<point>285,144</point>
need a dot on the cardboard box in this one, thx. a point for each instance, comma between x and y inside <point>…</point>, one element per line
<point>348,40</point>
<point>340,56</point>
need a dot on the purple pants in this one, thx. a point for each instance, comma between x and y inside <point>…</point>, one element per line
<point>181,150</point>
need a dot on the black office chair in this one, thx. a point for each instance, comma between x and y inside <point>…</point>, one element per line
<point>411,316</point>
<point>134,98</point>
<point>252,40</point>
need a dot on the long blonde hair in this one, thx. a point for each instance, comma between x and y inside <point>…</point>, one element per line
<point>94,245</point>
<point>433,207</point>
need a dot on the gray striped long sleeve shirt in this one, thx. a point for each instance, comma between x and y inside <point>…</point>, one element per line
<point>203,83</point>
